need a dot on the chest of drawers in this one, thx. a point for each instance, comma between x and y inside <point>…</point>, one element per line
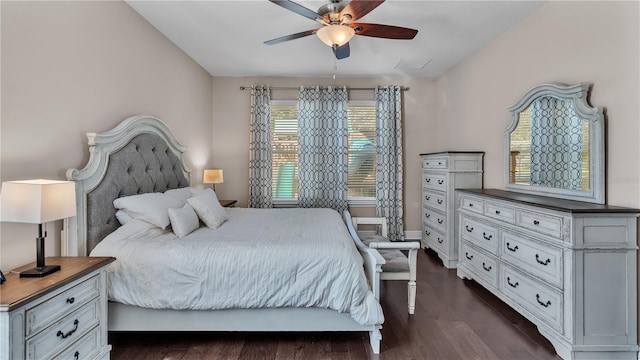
<point>442,173</point>
<point>60,316</point>
<point>567,266</point>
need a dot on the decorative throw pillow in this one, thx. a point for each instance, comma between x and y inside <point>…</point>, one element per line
<point>150,207</point>
<point>183,220</point>
<point>208,208</point>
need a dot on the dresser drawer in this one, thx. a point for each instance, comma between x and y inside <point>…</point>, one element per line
<point>483,265</point>
<point>542,301</point>
<point>58,306</point>
<point>434,238</point>
<point>435,200</point>
<point>542,223</point>
<point>537,259</point>
<point>500,212</point>
<point>435,219</point>
<point>65,332</point>
<point>84,348</point>
<point>435,163</point>
<point>472,204</point>
<point>434,181</point>
<point>479,234</point>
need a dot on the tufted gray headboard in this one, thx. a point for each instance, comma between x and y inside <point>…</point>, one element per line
<point>140,155</point>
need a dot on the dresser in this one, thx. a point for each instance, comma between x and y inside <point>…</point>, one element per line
<point>59,316</point>
<point>442,173</point>
<point>567,266</point>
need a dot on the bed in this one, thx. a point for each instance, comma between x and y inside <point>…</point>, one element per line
<point>141,156</point>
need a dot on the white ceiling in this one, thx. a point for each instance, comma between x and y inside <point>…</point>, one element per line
<point>226,37</point>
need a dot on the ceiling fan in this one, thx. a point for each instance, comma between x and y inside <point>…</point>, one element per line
<point>337,18</point>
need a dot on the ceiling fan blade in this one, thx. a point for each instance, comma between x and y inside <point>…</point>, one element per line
<point>384,31</point>
<point>298,9</point>
<point>342,52</point>
<point>290,37</point>
<point>359,8</point>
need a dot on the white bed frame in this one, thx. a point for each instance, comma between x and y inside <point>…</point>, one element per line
<point>131,318</point>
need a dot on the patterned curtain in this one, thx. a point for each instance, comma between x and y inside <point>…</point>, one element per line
<point>389,159</point>
<point>322,148</point>
<point>260,186</point>
<point>556,144</point>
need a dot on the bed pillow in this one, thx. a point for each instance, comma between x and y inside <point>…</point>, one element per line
<point>183,220</point>
<point>208,208</point>
<point>181,193</point>
<point>123,217</point>
<point>150,207</point>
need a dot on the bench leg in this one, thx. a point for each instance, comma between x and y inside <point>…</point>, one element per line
<point>412,296</point>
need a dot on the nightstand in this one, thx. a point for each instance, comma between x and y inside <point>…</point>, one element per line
<point>228,203</point>
<point>62,315</point>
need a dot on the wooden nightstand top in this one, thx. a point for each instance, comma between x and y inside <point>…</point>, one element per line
<point>17,291</point>
<point>228,203</point>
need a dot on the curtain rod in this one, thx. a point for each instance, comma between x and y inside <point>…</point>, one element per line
<point>403,88</point>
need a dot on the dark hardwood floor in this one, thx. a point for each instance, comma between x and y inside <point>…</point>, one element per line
<point>454,319</point>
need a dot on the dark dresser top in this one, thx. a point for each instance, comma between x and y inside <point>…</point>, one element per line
<point>550,203</point>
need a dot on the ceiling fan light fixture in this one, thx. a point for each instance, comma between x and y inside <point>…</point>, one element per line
<point>335,35</point>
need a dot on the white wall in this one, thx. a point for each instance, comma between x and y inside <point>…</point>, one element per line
<point>231,130</point>
<point>568,42</point>
<point>69,68</point>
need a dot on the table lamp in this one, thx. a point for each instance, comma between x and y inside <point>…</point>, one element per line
<point>37,202</point>
<point>213,176</point>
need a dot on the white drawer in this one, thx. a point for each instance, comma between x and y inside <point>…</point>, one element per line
<point>435,219</point>
<point>434,181</point>
<point>472,204</point>
<point>435,163</point>
<point>542,301</point>
<point>85,348</point>
<point>435,200</point>
<point>542,223</point>
<point>538,259</point>
<point>500,212</point>
<point>479,234</point>
<point>483,265</point>
<point>64,332</point>
<point>434,238</point>
<point>58,306</point>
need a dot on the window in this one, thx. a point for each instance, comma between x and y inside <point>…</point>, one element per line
<point>361,122</point>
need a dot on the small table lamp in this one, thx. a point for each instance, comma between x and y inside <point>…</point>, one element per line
<point>213,176</point>
<point>37,202</point>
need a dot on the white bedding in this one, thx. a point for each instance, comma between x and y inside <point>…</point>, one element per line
<point>259,258</point>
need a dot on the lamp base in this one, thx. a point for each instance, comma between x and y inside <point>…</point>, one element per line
<point>40,271</point>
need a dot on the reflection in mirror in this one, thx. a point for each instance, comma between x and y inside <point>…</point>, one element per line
<point>555,144</point>
<point>550,146</point>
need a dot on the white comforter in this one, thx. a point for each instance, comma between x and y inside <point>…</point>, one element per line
<point>259,258</point>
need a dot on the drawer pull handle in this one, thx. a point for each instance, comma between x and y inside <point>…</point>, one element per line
<point>542,303</point>
<point>427,198</point>
<point>484,235</point>
<point>440,182</point>
<point>485,267</point>
<point>510,284</point>
<point>71,300</point>
<point>439,201</point>
<point>497,212</point>
<point>466,254</point>
<point>545,263</point>
<point>470,205</point>
<point>428,233</point>
<point>70,332</point>
<point>440,240</point>
<point>428,180</point>
<point>536,222</point>
<point>469,229</point>
<point>439,163</point>
<point>440,221</point>
<point>76,356</point>
<point>427,215</point>
<point>512,248</point>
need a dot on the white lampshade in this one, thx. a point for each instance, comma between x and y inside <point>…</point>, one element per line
<point>37,201</point>
<point>213,176</point>
<point>337,35</point>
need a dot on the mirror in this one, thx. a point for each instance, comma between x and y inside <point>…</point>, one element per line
<point>555,144</point>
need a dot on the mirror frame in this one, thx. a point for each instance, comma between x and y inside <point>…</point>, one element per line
<point>578,94</point>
